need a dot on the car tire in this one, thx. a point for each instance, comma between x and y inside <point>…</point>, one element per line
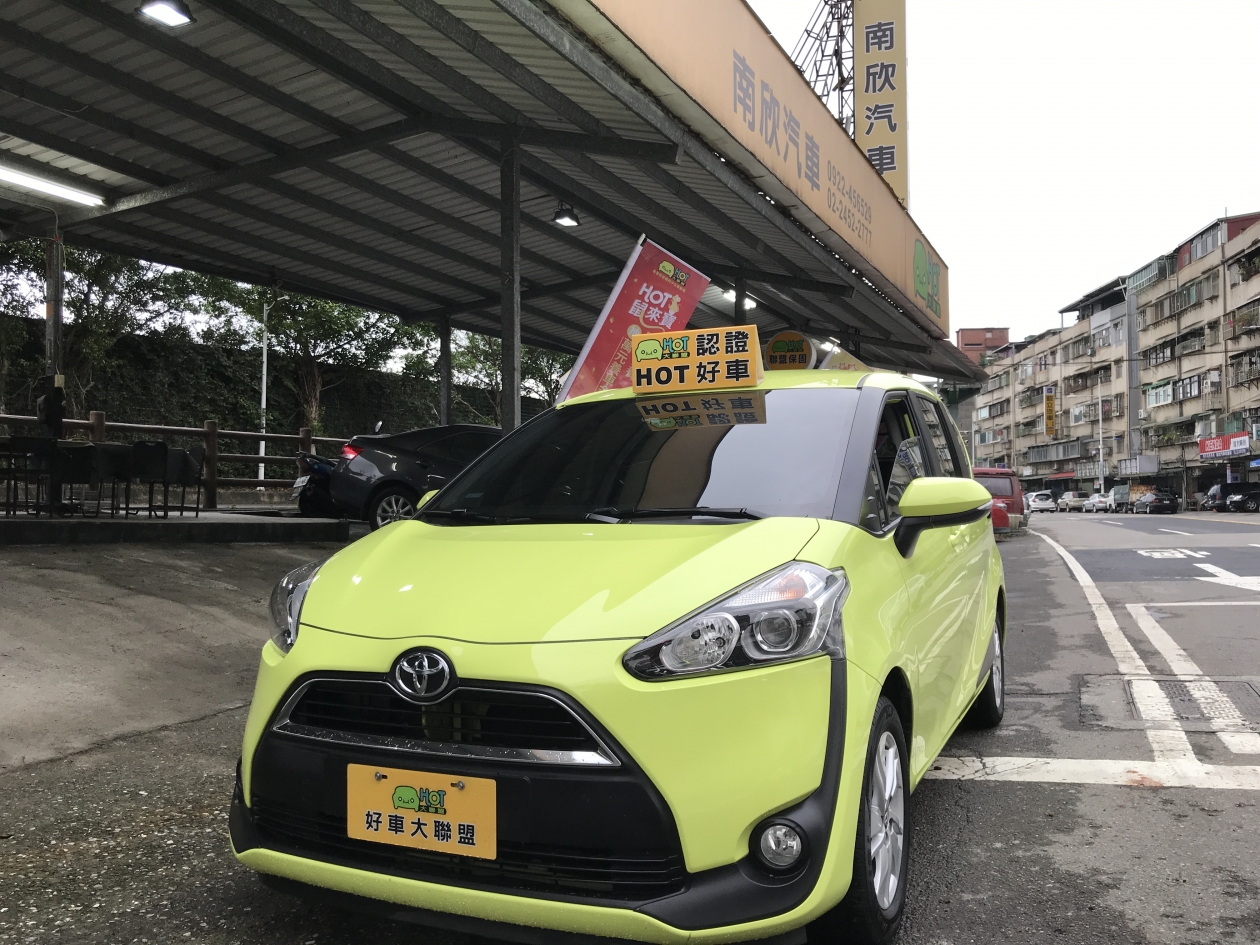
<point>871,911</point>
<point>1251,505</point>
<point>990,705</point>
<point>391,504</point>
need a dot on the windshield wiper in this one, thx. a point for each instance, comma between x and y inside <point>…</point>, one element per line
<point>459,514</point>
<point>613,516</point>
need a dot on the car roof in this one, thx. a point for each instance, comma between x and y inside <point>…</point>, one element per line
<point>782,380</point>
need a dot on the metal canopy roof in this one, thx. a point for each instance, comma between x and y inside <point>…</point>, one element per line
<point>351,150</point>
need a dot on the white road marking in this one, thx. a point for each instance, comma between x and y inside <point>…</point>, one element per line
<point>1254,545</point>
<point>1175,764</point>
<point>1215,705</point>
<point>1169,745</point>
<point>1154,774</point>
<point>1210,603</point>
<point>1229,578</point>
<point>1173,531</point>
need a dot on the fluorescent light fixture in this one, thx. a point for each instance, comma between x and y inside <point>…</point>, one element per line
<point>167,12</point>
<point>729,295</point>
<point>52,188</point>
<point>565,216</point>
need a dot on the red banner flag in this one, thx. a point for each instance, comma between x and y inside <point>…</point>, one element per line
<point>657,292</point>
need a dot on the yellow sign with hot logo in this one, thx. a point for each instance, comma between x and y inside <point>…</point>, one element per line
<point>422,809</point>
<point>717,409</point>
<point>700,359</point>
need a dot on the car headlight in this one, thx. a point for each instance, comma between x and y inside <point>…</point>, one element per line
<point>789,613</point>
<point>286,604</point>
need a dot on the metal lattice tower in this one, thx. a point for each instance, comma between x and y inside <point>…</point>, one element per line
<point>824,54</point>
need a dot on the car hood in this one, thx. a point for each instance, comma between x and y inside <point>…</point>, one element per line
<point>540,583</point>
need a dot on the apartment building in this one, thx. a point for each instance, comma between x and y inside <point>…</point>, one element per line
<point>1198,319</point>
<point>1155,383</point>
<point>1055,405</point>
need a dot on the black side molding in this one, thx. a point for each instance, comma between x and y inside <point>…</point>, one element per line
<point>908,529</point>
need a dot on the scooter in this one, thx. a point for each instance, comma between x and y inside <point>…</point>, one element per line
<point>311,486</point>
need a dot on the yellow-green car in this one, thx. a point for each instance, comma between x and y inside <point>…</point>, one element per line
<point>660,669</point>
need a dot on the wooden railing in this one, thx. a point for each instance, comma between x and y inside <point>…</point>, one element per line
<point>209,433</point>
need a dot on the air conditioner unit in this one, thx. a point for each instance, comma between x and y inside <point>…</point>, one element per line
<point>1144,415</point>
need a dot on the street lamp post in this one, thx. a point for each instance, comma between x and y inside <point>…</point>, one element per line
<point>262,443</point>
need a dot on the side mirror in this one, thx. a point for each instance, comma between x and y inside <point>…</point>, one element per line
<point>424,499</point>
<point>938,502</point>
<point>433,483</point>
<point>379,424</point>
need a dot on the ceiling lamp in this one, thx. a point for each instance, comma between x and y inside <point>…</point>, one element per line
<point>42,185</point>
<point>167,12</point>
<point>565,215</point>
<point>729,295</point>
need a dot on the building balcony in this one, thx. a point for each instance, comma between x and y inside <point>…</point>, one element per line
<point>1032,400</point>
<point>1244,321</point>
<point>1212,400</point>
<point>1191,346</point>
<point>1244,374</point>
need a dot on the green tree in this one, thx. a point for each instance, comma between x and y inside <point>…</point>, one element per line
<point>476,360</point>
<point>317,340</point>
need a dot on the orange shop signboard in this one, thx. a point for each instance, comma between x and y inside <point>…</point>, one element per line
<point>657,292</point>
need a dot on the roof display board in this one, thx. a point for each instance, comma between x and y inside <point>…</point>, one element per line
<point>713,63</point>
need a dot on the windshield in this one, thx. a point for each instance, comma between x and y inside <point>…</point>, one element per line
<point>997,485</point>
<point>748,454</point>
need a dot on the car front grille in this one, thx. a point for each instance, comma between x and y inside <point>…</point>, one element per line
<point>474,721</point>
<point>519,867</point>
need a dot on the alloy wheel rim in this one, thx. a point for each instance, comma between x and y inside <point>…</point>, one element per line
<point>886,820</point>
<point>393,508</point>
<point>998,692</point>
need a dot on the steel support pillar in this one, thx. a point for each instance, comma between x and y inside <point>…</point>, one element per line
<point>54,294</point>
<point>741,301</point>
<point>510,282</point>
<point>444,371</point>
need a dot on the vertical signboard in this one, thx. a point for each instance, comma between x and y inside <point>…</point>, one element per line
<point>657,292</point>
<point>1050,417</point>
<point>879,94</point>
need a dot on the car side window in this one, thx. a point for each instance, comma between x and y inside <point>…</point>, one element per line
<point>935,426</point>
<point>461,448</point>
<point>899,452</point>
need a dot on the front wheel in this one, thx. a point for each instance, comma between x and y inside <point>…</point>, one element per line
<point>872,910</point>
<point>393,504</point>
<point>1251,505</point>
<point>989,707</point>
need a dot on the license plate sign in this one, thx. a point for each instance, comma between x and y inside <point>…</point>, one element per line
<point>299,483</point>
<point>421,809</point>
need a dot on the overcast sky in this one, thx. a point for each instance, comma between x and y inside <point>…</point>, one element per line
<point>1054,146</point>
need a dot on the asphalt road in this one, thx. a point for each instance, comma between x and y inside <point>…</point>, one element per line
<point>120,725</point>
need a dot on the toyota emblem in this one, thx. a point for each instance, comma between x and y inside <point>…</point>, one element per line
<point>422,675</point>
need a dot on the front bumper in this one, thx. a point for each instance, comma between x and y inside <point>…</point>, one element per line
<point>734,901</point>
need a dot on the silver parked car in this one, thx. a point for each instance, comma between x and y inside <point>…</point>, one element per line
<point>1042,502</point>
<point>1072,501</point>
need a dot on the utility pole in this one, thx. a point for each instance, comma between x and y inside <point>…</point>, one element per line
<point>262,443</point>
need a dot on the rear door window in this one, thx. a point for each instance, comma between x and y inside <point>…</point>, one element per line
<point>934,424</point>
<point>997,485</point>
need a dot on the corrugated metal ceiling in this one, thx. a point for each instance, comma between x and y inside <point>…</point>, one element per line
<point>411,226</point>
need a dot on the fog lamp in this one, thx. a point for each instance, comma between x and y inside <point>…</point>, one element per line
<point>780,846</point>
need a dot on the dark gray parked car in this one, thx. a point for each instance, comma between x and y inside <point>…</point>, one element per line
<point>381,477</point>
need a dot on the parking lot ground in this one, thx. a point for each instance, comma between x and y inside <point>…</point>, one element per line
<point>119,750</point>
